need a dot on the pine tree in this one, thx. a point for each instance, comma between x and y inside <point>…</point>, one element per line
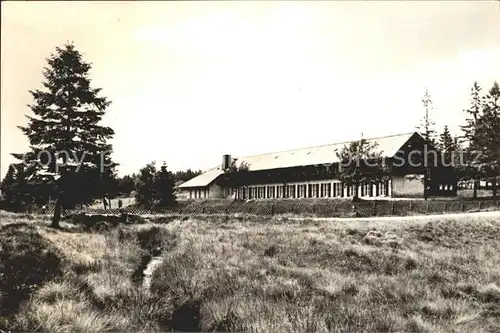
<point>446,141</point>
<point>125,184</point>
<point>144,186</point>
<point>474,112</point>
<point>470,130</point>
<point>67,144</point>
<point>448,147</point>
<point>16,187</point>
<point>487,136</point>
<point>164,188</point>
<point>426,127</point>
<point>184,176</point>
<point>482,132</point>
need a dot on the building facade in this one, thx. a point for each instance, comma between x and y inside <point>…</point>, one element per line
<point>314,173</point>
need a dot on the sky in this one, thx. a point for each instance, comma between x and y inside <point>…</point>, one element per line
<point>191,81</point>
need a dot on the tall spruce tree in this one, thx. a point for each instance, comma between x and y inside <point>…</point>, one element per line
<point>487,136</point>
<point>482,131</point>
<point>470,129</point>
<point>448,146</point>
<point>446,141</point>
<point>16,187</point>
<point>426,126</point>
<point>473,113</point>
<point>426,129</point>
<point>144,186</point>
<point>164,188</point>
<point>67,142</point>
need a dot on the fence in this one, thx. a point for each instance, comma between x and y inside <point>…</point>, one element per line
<point>320,208</point>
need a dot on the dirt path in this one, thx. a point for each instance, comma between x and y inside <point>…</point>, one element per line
<point>488,214</point>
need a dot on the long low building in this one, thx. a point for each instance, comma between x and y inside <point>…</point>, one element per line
<point>313,173</point>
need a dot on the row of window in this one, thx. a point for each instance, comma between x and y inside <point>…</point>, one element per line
<point>198,194</point>
<point>324,190</point>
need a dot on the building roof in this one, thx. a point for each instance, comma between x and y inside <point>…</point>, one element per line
<point>324,154</point>
<point>204,179</point>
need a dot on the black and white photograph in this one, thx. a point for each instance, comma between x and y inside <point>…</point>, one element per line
<point>250,166</point>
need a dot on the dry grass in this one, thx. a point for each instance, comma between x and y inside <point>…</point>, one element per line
<point>276,275</point>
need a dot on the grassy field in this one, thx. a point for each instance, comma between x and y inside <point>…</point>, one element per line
<point>254,275</point>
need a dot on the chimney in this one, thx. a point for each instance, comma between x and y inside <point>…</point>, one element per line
<point>226,162</point>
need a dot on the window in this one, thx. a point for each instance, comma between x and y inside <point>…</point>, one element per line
<point>301,191</point>
<point>291,191</point>
<point>270,192</point>
<point>326,190</point>
<point>263,192</point>
<point>280,192</point>
<point>315,190</point>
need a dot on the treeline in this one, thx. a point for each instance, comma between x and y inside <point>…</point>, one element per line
<point>127,184</point>
<point>150,186</point>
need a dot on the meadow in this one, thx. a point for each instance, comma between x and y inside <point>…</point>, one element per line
<point>253,274</point>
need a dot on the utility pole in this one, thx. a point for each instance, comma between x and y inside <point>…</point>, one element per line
<point>426,100</point>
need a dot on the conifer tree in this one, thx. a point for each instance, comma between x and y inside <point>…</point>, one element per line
<point>473,112</point>
<point>164,188</point>
<point>448,147</point>
<point>470,129</point>
<point>16,188</point>
<point>482,131</point>
<point>487,136</point>
<point>426,127</point>
<point>144,186</point>
<point>67,142</point>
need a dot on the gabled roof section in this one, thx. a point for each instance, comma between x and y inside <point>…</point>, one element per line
<point>204,179</point>
<point>387,145</point>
